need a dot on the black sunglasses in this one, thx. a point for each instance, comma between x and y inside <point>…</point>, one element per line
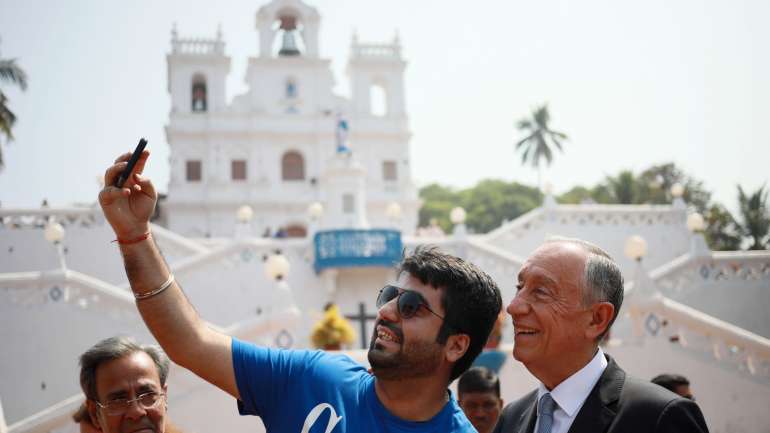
<point>409,301</point>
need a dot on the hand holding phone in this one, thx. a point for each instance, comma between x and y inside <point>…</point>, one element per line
<point>131,163</point>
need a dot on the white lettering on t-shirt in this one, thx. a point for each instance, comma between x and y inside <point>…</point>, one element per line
<point>316,412</point>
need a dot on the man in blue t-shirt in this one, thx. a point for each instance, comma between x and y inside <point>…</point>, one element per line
<point>430,326</point>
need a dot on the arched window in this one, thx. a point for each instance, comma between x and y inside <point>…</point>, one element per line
<point>292,166</point>
<point>378,100</point>
<point>199,93</point>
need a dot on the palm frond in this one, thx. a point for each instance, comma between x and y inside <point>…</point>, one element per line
<point>556,143</point>
<point>541,116</point>
<point>546,150</point>
<point>524,125</point>
<point>7,118</point>
<point>10,71</point>
<point>524,140</point>
<point>526,153</point>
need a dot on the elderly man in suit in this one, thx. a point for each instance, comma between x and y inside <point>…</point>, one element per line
<point>568,295</point>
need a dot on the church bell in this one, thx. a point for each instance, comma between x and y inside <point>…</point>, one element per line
<point>289,46</point>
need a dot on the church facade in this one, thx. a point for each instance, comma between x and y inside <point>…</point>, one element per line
<point>277,148</point>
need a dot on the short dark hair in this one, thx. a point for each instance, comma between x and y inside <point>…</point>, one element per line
<point>670,381</point>
<point>470,298</point>
<point>478,379</point>
<point>115,348</point>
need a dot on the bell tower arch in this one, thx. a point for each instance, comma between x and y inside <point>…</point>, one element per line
<point>292,25</point>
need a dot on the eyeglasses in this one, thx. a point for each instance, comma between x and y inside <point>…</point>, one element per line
<point>147,401</point>
<point>408,301</point>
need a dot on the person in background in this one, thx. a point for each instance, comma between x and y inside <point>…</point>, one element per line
<point>478,392</point>
<point>675,383</point>
<point>125,386</point>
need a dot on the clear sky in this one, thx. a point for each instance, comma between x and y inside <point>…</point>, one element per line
<point>632,83</point>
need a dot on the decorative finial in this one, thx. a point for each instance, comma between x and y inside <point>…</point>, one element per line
<point>397,38</point>
<point>174,33</point>
<point>219,31</point>
<point>355,37</point>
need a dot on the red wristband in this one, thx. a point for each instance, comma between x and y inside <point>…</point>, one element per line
<point>132,241</point>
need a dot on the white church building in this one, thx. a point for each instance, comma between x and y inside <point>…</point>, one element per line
<point>329,178</point>
<point>275,148</point>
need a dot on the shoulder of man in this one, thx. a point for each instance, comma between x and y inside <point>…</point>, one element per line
<point>649,403</point>
<point>513,413</point>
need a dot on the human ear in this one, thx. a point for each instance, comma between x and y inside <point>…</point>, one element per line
<point>456,346</point>
<point>601,316</point>
<point>94,414</point>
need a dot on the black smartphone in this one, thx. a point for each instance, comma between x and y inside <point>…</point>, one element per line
<point>131,163</point>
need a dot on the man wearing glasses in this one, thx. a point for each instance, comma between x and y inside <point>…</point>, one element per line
<point>125,386</point>
<point>430,326</point>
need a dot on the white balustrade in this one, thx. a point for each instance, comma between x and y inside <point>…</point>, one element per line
<point>197,46</point>
<point>39,217</point>
<point>698,331</point>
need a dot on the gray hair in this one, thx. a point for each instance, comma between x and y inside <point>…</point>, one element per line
<point>115,348</point>
<point>602,279</point>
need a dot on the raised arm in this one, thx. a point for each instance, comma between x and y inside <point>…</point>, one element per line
<point>171,318</point>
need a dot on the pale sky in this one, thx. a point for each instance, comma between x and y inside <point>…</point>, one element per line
<point>632,83</point>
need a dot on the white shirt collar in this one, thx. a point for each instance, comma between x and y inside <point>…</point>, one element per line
<point>573,391</point>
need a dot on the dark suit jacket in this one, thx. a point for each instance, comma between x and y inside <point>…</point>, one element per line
<point>617,403</point>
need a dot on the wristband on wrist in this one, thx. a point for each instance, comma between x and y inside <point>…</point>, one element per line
<point>132,241</point>
<point>150,294</point>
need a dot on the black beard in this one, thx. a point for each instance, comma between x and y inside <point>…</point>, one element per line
<point>411,361</point>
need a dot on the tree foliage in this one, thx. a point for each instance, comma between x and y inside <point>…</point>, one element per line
<point>652,186</point>
<point>487,204</point>
<point>539,138</point>
<point>10,72</point>
<point>755,217</point>
<point>722,232</point>
<point>491,202</point>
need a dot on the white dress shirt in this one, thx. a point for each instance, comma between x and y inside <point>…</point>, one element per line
<point>573,392</point>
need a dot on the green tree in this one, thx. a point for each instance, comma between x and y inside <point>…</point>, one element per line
<point>577,195</point>
<point>655,187</point>
<point>722,231</point>
<point>491,202</point>
<point>437,202</point>
<point>755,217</point>
<point>487,204</point>
<point>538,139</point>
<point>10,72</point>
<point>623,188</point>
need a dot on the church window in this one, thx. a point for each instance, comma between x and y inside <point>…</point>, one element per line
<point>296,231</point>
<point>199,94</point>
<point>348,203</point>
<point>378,100</point>
<point>238,169</point>
<point>389,170</point>
<point>292,166</point>
<point>194,170</point>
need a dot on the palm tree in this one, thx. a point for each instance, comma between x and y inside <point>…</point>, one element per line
<point>756,217</point>
<point>539,138</point>
<point>9,72</point>
<point>623,188</point>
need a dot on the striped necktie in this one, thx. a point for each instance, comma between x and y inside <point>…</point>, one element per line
<point>545,408</point>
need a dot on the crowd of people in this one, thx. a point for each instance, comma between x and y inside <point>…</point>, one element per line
<point>431,324</point>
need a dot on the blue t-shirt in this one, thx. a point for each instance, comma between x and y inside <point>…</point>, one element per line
<point>302,391</point>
